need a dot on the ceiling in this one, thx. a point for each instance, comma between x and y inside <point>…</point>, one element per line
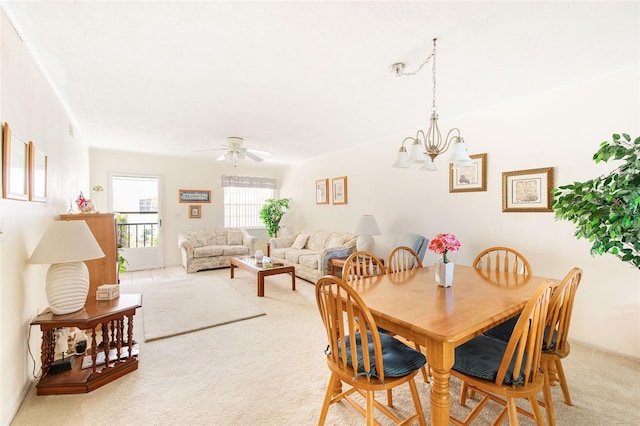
<point>299,79</point>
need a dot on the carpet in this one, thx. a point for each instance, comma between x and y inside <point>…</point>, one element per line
<point>174,307</point>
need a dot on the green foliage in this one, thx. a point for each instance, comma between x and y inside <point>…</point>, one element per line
<point>606,209</point>
<point>122,262</point>
<point>271,213</point>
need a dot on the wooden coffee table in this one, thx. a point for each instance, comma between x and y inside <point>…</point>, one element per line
<point>249,263</point>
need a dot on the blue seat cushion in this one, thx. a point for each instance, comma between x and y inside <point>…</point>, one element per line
<point>503,332</point>
<point>398,358</point>
<point>481,357</point>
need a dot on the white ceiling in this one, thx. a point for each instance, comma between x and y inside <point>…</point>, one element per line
<point>298,79</point>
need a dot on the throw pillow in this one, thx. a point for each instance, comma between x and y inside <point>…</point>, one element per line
<point>300,241</point>
<point>335,242</point>
<point>234,237</point>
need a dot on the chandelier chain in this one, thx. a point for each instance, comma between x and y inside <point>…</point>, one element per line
<point>417,70</point>
<point>433,74</point>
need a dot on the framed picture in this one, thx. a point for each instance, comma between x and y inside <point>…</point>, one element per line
<point>15,166</point>
<point>469,178</point>
<point>527,190</point>
<point>194,196</point>
<point>322,191</point>
<point>195,211</point>
<point>37,174</point>
<point>339,190</point>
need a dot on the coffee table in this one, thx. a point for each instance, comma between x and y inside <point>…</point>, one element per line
<point>249,263</point>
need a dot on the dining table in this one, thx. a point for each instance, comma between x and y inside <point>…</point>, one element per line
<point>412,305</point>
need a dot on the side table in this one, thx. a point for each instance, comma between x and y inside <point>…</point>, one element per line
<point>109,358</point>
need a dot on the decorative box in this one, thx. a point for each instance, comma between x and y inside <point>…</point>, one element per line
<point>108,292</point>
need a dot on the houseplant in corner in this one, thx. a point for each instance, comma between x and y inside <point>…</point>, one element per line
<point>271,213</point>
<point>442,244</point>
<point>606,209</point>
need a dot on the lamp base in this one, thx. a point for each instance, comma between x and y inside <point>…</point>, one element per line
<point>67,287</point>
<point>365,243</point>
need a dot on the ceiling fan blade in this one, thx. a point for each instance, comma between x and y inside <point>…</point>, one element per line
<point>222,157</point>
<point>258,152</point>
<point>215,148</point>
<point>252,156</point>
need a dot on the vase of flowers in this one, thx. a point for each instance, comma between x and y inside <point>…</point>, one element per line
<point>443,244</point>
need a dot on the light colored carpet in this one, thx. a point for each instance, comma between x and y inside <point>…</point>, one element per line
<point>174,307</point>
<point>271,371</point>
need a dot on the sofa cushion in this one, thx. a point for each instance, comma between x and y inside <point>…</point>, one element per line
<point>234,250</point>
<point>293,255</point>
<point>318,240</point>
<point>207,251</point>
<point>300,241</point>
<point>335,242</point>
<point>234,237</point>
<point>279,252</point>
<point>309,260</point>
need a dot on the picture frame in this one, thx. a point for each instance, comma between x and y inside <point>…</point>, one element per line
<point>527,190</point>
<point>15,166</point>
<point>322,191</point>
<point>339,190</point>
<point>38,162</point>
<point>469,178</point>
<point>195,211</point>
<point>194,196</point>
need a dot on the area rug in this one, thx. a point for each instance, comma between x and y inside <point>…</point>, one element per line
<point>174,307</point>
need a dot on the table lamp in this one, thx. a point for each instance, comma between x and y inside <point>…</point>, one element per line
<point>367,227</point>
<point>66,244</point>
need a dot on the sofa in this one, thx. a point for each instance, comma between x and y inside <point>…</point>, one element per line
<point>310,251</point>
<point>213,248</point>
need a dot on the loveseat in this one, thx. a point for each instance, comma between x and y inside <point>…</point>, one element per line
<point>213,248</point>
<point>309,251</point>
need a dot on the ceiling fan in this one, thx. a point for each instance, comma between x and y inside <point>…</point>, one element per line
<point>235,151</point>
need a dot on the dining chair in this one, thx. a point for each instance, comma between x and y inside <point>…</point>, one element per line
<point>385,364</point>
<point>403,258</point>
<point>415,241</point>
<point>503,259</point>
<point>505,371</point>
<point>362,264</point>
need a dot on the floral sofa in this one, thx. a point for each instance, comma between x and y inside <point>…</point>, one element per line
<point>212,248</point>
<point>309,251</point>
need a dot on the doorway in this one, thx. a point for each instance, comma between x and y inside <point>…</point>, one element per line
<point>135,201</point>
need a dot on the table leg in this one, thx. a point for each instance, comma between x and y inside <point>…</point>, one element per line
<point>293,281</point>
<point>440,356</point>
<point>231,270</point>
<point>260,285</point>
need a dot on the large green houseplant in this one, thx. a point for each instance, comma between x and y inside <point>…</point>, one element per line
<point>271,213</point>
<point>606,209</point>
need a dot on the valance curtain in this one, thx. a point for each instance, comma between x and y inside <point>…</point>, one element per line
<point>248,182</point>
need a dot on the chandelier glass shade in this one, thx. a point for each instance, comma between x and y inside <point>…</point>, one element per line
<point>426,146</point>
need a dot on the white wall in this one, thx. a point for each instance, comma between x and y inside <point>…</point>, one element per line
<point>175,173</point>
<point>560,129</point>
<point>32,110</point>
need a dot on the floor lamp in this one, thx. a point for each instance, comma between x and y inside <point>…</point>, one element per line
<point>66,244</point>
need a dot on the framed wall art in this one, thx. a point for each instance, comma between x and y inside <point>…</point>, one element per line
<point>15,165</point>
<point>527,190</point>
<point>37,174</point>
<point>339,190</point>
<point>195,211</point>
<point>322,191</point>
<point>469,178</point>
<point>194,196</point>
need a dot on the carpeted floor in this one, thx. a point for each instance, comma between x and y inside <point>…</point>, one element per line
<point>177,306</point>
<point>270,370</point>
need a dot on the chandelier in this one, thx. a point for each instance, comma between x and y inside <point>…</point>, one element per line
<point>426,146</point>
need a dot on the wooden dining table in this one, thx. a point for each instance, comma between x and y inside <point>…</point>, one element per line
<point>411,304</point>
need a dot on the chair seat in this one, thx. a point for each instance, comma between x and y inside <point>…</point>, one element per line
<point>398,359</point>
<point>481,357</point>
<point>503,332</point>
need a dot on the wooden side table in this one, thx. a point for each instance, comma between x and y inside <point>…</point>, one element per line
<point>113,320</point>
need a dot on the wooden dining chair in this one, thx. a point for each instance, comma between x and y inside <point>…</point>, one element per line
<point>503,259</point>
<point>403,258</point>
<point>363,371</point>
<point>504,371</point>
<point>362,264</point>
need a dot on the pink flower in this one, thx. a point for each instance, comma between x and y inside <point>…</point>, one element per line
<point>444,243</point>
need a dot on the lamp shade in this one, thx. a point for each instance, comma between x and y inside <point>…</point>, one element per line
<point>402,162</point>
<point>66,244</point>
<point>367,225</point>
<point>66,241</point>
<point>460,156</point>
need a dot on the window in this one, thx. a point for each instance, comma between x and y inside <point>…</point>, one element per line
<point>243,199</point>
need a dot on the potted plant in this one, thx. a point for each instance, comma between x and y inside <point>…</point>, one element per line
<point>606,209</point>
<point>271,213</point>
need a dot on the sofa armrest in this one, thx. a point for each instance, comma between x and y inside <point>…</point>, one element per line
<point>249,241</point>
<point>340,252</point>
<point>282,242</point>
<point>186,246</point>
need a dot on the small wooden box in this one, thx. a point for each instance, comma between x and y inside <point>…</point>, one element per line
<point>108,292</point>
